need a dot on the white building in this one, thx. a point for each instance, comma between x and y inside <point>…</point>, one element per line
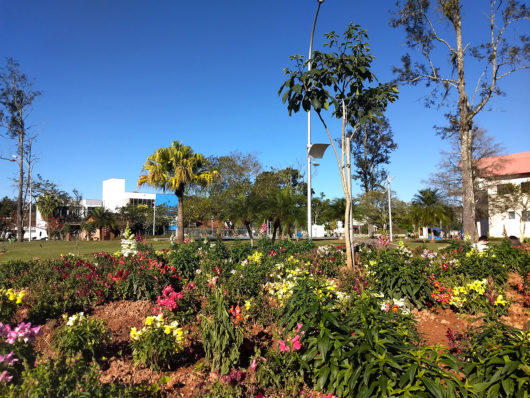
<point>115,196</point>
<point>497,172</point>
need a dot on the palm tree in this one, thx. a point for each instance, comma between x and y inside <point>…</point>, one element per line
<point>428,208</point>
<point>286,209</point>
<point>244,209</point>
<point>174,168</point>
<point>47,205</point>
<point>102,218</point>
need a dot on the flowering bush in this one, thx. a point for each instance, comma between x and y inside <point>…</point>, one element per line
<point>157,343</point>
<point>128,243</point>
<point>182,305</point>
<point>81,334</point>
<point>16,348</point>
<point>9,301</point>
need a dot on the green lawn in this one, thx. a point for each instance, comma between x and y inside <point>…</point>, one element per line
<point>54,248</point>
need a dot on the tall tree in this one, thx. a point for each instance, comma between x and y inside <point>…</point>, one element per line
<point>435,31</point>
<point>339,79</point>
<point>48,205</point>
<point>428,209</point>
<point>371,148</point>
<point>16,97</point>
<point>174,168</point>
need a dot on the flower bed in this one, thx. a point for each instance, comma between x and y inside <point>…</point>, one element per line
<point>275,320</point>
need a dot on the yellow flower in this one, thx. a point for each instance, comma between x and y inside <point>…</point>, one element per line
<point>149,320</point>
<point>134,333</point>
<point>167,329</point>
<point>500,300</point>
<point>247,305</point>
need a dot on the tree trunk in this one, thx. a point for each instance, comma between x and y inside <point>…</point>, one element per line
<point>180,215</point>
<point>275,227</point>
<point>20,204</point>
<point>347,237</point>
<point>249,230</point>
<point>465,126</point>
<point>432,233</point>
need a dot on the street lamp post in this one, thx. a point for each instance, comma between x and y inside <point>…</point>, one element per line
<point>389,180</point>
<point>13,159</point>
<point>309,224</point>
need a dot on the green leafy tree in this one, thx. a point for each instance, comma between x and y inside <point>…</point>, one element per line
<point>371,148</point>
<point>435,31</point>
<point>245,209</point>
<point>7,212</point>
<point>428,208</point>
<point>48,205</point>
<point>174,168</point>
<point>16,97</point>
<point>103,218</point>
<point>286,209</point>
<point>341,80</point>
<point>136,216</point>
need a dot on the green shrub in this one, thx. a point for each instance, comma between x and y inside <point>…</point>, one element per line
<point>498,363</point>
<point>368,352</point>
<point>157,343</point>
<point>68,378</point>
<point>80,334</point>
<point>185,258</point>
<point>396,278</point>
<point>9,302</point>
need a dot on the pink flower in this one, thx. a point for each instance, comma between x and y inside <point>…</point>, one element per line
<point>296,343</point>
<point>8,359</point>
<point>283,347</point>
<point>5,377</point>
<point>253,365</point>
<point>298,327</point>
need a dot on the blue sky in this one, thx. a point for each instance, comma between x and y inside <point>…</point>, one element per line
<point>123,78</point>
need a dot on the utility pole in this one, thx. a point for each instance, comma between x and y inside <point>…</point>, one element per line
<point>154,216</point>
<point>389,180</point>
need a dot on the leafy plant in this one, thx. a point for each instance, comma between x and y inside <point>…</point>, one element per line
<point>498,363</point>
<point>70,377</point>
<point>397,279</point>
<point>9,302</point>
<point>81,334</point>
<point>157,343</point>
<point>221,338</point>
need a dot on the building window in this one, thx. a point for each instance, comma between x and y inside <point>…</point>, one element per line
<point>526,216</point>
<point>147,202</point>
<point>511,215</point>
<point>503,189</point>
<point>525,187</point>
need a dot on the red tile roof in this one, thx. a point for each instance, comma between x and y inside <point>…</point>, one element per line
<point>515,163</point>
